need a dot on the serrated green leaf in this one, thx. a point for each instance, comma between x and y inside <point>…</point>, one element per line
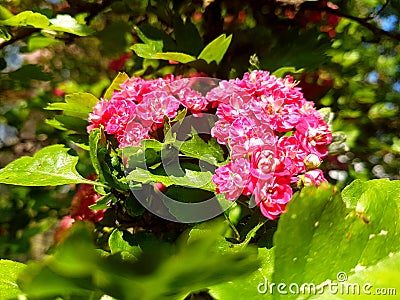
<point>27,18</point>
<point>144,176</point>
<point>9,271</point>
<point>117,244</point>
<point>76,105</point>
<point>50,166</point>
<point>177,56</point>
<point>115,85</point>
<point>353,234</point>
<point>216,49</point>
<point>196,147</point>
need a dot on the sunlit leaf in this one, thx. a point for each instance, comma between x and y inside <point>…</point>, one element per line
<point>76,105</point>
<point>358,233</point>
<point>216,49</point>
<point>9,271</point>
<point>50,166</point>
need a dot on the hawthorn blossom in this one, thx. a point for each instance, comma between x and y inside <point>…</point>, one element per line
<point>272,197</point>
<point>313,177</point>
<point>232,178</point>
<point>275,137</point>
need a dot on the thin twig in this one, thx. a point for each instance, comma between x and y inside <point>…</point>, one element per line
<point>362,21</point>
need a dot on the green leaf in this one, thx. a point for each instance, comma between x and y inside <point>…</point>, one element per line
<point>284,70</point>
<point>115,85</point>
<point>188,39</point>
<point>5,13</point>
<point>177,56</point>
<point>50,166</point>
<point>77,269</point>
<point>117,244</point>
<point>196,147</point>
<point>150,47</point>
<point>250,287</point>
<point>9,271</point>
<point>63,23</point>
<point>103,202</point>
<point>29,72</point>
<point>102,160</point>
<point>356,233</point>
<point>216,49</point>
<point>193,179</point>
<point>27,18</point>
<point>146,50</point>
<point>39,42</point>
<point>76,105</point>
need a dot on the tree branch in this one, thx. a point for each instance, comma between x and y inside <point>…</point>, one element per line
<point>362,21</point>
<point>19,35</point>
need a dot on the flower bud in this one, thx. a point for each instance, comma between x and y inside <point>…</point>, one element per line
<point>312,161</point>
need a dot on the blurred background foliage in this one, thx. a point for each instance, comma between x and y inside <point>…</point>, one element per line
<point>344,53</point>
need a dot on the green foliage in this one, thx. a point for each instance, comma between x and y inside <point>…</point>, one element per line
<point>194,264</point>
<point>213,52</point>
<point>50,166</point>
<point>63,23</point>
<point>9,271</point>
<point>76,105</point>
<point>363,229</point>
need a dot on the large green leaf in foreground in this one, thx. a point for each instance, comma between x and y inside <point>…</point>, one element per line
<point>323,237</point>
<point>162,271</point>
<point>50,166</point>
<point>9,271</point>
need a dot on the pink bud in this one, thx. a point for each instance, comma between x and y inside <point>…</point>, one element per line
<point>160,187</point>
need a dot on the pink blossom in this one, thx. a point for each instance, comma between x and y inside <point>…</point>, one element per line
<point>155,105</point>
<point>272,196</point>
<point>121,112</point>
<point>99,116</point>
<point>314,134</point>
<point>133,134</point>
<point>313,177</point>
<point>290,154</point>
<point>193,100</point>
<point>232,178</point>
<point>263,162</point>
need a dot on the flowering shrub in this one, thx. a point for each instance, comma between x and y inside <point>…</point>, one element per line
<point>273,134</point>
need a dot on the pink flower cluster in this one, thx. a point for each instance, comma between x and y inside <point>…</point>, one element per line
<point>275,136</point>
<point>139,107</point>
